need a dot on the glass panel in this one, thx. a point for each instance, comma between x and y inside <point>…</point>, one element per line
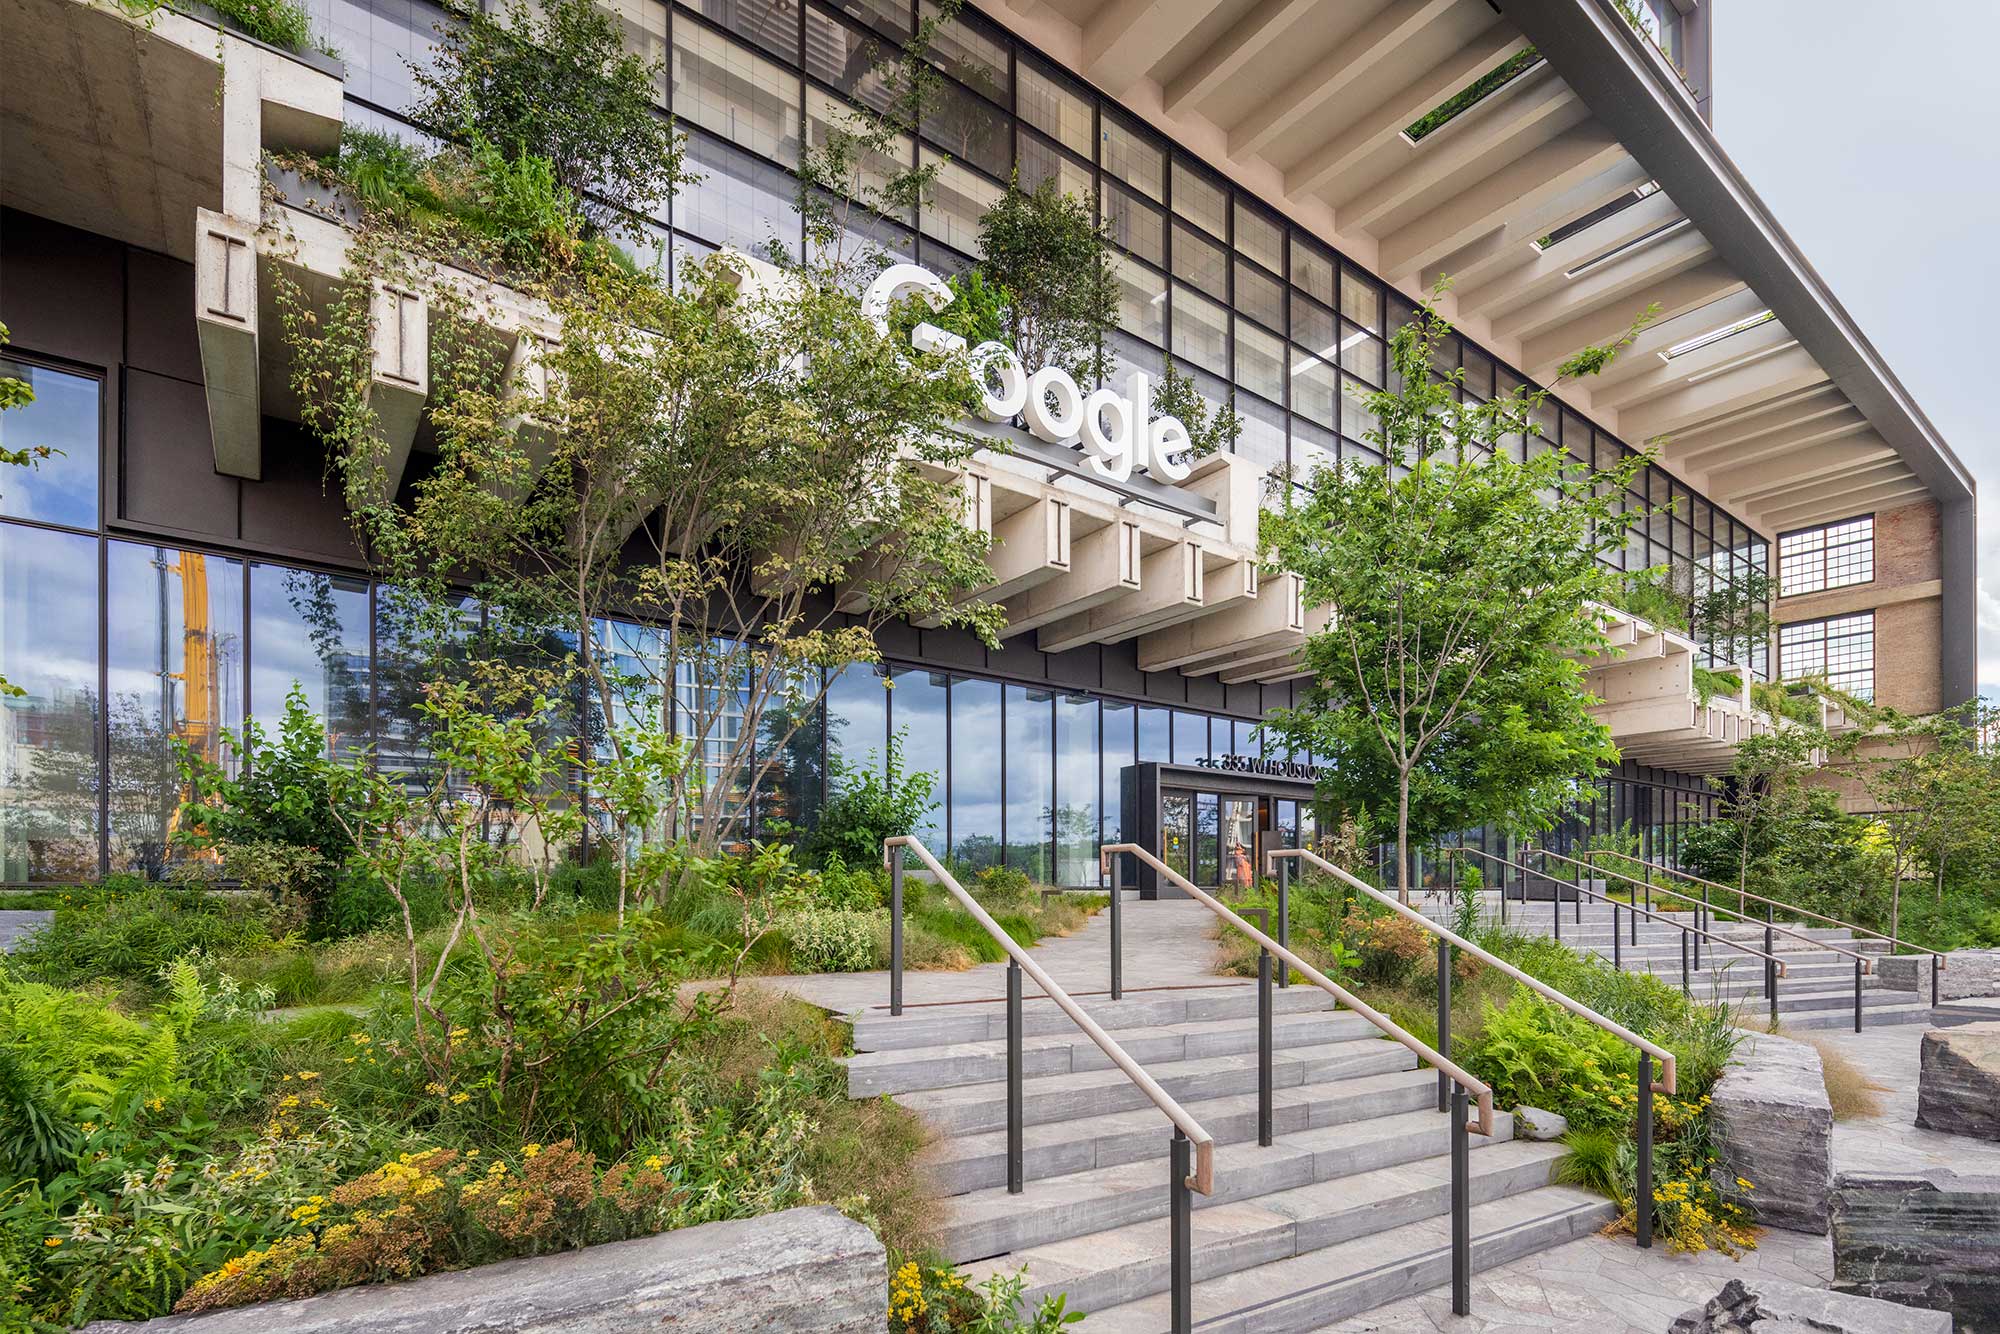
<point>771,24</point>
<point>1200,261</point>
<point>642,25</point>
<point>1078,769</point>
<point>175,672</point>
<point>791,737</point>
<point>1358,421</point>
<point>1207,817</point>
<point>1361,354</point>
<point>1312,270</point>
<point>1314,387</point>
<point>1041,160</point>
<point>917,713</point>
<point>1190,738</point>
<point>311,629</point>
<point>380,43</point>
<point>412,648</point>
<point>1120,753</point>
<point>1177,830</point>
<point>1132,157</point>
<point>1030,760</point>
<point>957,204</point>
<point>973,52</point>
<point>1201,330</point>
<point>1313,325</point>
<point>1260,364</point>
<point>875,171</point>
<point>1201,198</point>
<point>1239,841</point>
<point>1155,734</point>
<point>889,17</point>
<point>726,87</point>
<point>854,62</point>
<point>857,719</point>
<point>970,129</point>
<point>1312,447</point>
<point>739,201</point>
<point>1142,299</point>
<point>1052,105</point>
<point>1263,438</point>
<point>64,416</point>
<point>1259,237</point>
<point>1134,224</point>
<point>975,778</point>
<point>48,743</point>
<point>1285,823</point>
<point>1360,300</point>
<point>1260,297</point>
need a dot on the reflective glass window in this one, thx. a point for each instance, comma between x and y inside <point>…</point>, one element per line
<point>1207,819</point>
<point>1201,198</point>
<point>1030,780</point>
<point>1260,362</point>
<point>1133,224</point>
<point>378,43</point>
<point>1259,236</point>
<point>726,87</point>
<point>48,740</point>
<point>642,25</point>
<point>1313,326</point>
<point>917,713</point>
<point>1190,737</point>
<point>1259,296</point>
<point>1239,842</point>
<point>311,630</point>
<point>1177,830</point>
<point>175,673</point>
<point>1312,270</point>
<point>891,18</point>
<point>1360,300</point>
<point>1079,769</point>
<point>1133,157</point>
<point>1315,386</point>
<point>1199,261</point>
<point>63,416</point>
<point>857,719</point>
<point>738,201</point>
<point>1201,330</point>
<point>976,740</point>
<point>1263,437</point>
<point>1041,160</point>
<point>771,24</point>
<point>1053,105</point>
<point>1142,299</point>
<point>874,171</point>
<point>973,52</point>
<point>957,204</point>
<point>1155,734</point>
<point>1362,354</point>
<point>970,129</point>
<point>1120,752</point>
<point>854,62</point>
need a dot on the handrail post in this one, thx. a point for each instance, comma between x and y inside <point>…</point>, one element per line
<point>1555,901</point>
<point>1180,1233</point>
<point>1857,995</point>
<point>1461,1206</point>
<point>1697,936</point>
<point>1445,1086</point>
<point>1771,977</point>
<point>1685,992</point>
<point>1263,1047</point>
<point>1285,915</point>
<point>1643,1210</point>
<point>1617,954</point>
<point>1117,928</point>
<point>1014,1098</point>
<point>1635,918</point>
<point>1936,959</point>
<point>895,928</point>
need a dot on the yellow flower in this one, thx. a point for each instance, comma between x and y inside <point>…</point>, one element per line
<point>530,1150</point>
<point>472,1153</point>
<point>1744,1184</point>
<point>157,1103</point>
<point>656,1162</point>
<point>308,1074</point>
<point>435,1088</point>
<point>458,1033</point>
<point>52,1241</point>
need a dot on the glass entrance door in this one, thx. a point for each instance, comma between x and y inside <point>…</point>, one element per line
<point>1239,841</point>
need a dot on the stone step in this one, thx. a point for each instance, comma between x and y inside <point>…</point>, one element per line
<point>964,1163</point>
<point>970,1108</point>
<point>981,1021</point>
<point>988,1223</point>
<point>1106,1269</point>
<point>1882,1016</point>
<point>908,1069</point>
<point>1315,1288</point>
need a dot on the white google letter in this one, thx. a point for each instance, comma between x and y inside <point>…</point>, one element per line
<point>993,361</point>
<point>896,282</point>
<point>1111,448</point>
<point>1169,441</point>
<point>1060,425</point>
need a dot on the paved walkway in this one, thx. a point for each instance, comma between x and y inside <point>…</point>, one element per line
<point>1167,944</point>
<point>16,925</point>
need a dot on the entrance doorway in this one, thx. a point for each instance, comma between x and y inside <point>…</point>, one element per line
<point>1214,826</point>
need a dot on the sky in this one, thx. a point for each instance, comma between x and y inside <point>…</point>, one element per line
<point>1865,129</point>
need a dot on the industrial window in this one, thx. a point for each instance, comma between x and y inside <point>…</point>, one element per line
<point>1834,556</point>
<point>1840,649</point>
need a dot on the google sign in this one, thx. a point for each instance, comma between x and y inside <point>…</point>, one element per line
<point>1116,431</point>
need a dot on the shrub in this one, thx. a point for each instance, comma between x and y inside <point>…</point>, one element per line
<point>133,936</point>
<point>1535,1054</point>
<point>867,806</point>
<point>831,940</point>
<point>861,889</point>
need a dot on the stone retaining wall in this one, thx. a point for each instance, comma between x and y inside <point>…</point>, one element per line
<point>785,1273</point>
<point>1923,1239</point>
<point>1773,1127</point>
<point>1965,973</point>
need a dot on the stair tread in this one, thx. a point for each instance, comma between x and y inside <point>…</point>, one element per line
<point>956,1148</point>
<point>1076,1037</point>
<point>1058,1265</point>
<point>1257,1298</point>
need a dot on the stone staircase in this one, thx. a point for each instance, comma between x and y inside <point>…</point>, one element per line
<point>1348,1209</point>
<point>1817,990</point>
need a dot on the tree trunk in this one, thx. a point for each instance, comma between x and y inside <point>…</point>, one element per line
<point>1403,836</point>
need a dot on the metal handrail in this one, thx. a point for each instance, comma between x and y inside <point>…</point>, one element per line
<point>1477,1089</point>
<point>1666,1084</point>
<point>1646,913</point>
<point>1202,1179</point>
<point>1943,960</point>
<point>1867,965</point>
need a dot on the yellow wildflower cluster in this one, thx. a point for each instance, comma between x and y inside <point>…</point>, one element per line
<point>915,1293</point>
<point>906,1294</point>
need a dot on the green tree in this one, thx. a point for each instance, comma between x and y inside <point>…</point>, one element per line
<point>17,393</point>
<point>551,82</point>
<point>1046,251</point>
<point>869,805</point>
<point>1760,792</point>
<point>1459,582</point>
<point>1940,801</point>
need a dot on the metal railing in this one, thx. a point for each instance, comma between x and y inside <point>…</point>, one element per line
<point>1191,1151</point>
<point>1462,1083</point>
<point>1939,962</point>
<point>1646,1050</point>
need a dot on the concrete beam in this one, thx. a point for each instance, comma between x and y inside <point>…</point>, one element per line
<point>1761,376</point>
<point>1105,566</point>
<point>1751,481</point>
<point>1171,588</point>
<point>1663,375</point>
<point>1124,39</point>
<point>1245,41</point>
<point>1809,409</point>
<point>1841,504</point>
<point>1354,56</point>
<point>1688,290</point>
<point>225,322</point>
<point>1542,272</point>
<point>399,380</point>
<point>1369,131</point>
<point>1252,624</point>
<point>1575,155</point>
<point>1030,546</point>
<point>1510,246</point>
<point>1624,280</point>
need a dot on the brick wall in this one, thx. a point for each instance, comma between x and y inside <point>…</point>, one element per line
<point>1905,596</point>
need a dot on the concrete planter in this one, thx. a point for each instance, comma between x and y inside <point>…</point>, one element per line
<point>318,60</point>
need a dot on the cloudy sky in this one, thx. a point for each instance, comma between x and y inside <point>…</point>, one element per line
<point>1866,130</point>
